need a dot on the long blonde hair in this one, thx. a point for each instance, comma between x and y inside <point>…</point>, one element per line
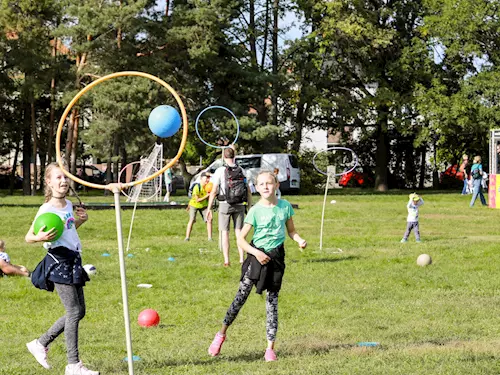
<point>48,171</point>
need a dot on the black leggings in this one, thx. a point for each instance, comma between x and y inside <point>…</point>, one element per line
<point>239,300</point>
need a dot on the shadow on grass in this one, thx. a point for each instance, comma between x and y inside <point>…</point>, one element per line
<point>333,259</point>
<point>249,357</point>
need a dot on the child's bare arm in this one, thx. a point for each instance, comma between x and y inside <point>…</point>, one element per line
<point>290,226</point>
<point>82,216</point>
<point>11,269</point>
<point>42,236</point>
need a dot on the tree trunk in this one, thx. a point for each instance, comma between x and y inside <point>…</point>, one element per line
<point>423,152</point>
<point>435,174</point>
<point>123,156</point>
<point>185,174</point>
<point>50,148</point>
<point>275,89</point>
<point>35,149</point>
<point>252,34</point>
<point>409,166</point>
<point>300,119</point>
<point>116,151</point>
<point>14,166</point>
<point>74,150</point>
<point>69,137</point>
<point>265,37</point>
<point>109,174</point>
<point>382,156</point>
<point>43,162</point>
<point>27,151</point>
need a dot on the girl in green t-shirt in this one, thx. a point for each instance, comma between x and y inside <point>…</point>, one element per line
<point>264,266</point>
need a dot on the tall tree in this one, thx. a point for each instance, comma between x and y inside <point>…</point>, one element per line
<point>370,56</point>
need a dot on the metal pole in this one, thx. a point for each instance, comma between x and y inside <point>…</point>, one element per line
<point>323,213</point>
<point>116,193</point>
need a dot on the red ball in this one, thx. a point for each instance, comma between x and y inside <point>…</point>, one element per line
<point>148,318</point>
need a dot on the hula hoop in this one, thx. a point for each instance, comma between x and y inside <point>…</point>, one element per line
<point>92,85</point>
<point>354,156</point>
<point>130,164</point>
<point>235,119</point>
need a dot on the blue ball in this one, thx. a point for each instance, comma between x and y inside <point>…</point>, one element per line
<point>164,121</point>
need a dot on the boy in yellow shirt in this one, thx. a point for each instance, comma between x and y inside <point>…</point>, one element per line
<point>199,203</point>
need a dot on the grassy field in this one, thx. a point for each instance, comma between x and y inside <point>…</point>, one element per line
<point>440,319</point>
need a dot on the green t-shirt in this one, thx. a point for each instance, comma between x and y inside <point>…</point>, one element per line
<point>198,192</point>
<point>269,224</point>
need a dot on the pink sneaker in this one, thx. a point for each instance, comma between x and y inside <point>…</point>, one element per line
<point>214,348</point>
<point>270,355</point>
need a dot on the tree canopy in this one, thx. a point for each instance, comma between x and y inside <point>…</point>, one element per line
<point>399,80</point>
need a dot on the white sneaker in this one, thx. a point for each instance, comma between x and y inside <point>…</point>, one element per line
<point>39,352</point>
<point>79,369</point>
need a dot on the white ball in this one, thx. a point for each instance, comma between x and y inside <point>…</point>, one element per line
<point>424,260</point>
<point>333,201</point>
<point>90,269</point>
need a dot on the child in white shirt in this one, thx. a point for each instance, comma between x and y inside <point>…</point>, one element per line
<point>412,220</point>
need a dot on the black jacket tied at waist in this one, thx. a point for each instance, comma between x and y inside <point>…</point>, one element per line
<point>60,265</point>
<point>266,276</point>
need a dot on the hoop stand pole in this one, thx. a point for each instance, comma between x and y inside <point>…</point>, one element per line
<point>323,213</point>
<point>130,360</point>
<point>131,225</point>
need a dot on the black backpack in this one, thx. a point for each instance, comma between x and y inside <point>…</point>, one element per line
<point>191,188</point>
<point>236,190</point>
<point>476,174</point>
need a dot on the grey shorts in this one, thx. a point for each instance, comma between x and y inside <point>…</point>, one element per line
<point>194,210</point>
<point>227,211</point>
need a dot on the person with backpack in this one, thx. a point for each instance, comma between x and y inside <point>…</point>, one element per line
<point>230,186</point>
<point>199,203</point>
<point>476,173</point>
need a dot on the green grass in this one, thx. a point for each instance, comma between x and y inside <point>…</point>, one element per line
<point>441,319</point>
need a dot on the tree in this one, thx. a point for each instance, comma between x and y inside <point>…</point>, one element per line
<point>367,59</point>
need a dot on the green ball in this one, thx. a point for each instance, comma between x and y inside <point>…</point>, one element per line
<point>49,220</point>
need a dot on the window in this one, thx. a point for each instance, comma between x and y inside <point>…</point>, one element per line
<point>247,163</point>
<point>293,161</point>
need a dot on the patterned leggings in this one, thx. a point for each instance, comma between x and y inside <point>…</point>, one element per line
<point>271,307</point>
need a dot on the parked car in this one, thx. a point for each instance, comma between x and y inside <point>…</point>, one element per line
<point>177,183</point>
<point>91,174</point>
<point>288,175</point>
<point>356,178</point>
<point>5,181</point>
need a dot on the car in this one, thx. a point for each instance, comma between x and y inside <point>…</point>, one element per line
<point>177,183</point>
<point>356,178</point>
<point>5,181</point>
<point>452,177</point>
<point>287,165</point>
<point>91,174</point>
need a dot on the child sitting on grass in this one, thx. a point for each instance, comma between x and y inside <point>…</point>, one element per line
<point>6,268</point>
